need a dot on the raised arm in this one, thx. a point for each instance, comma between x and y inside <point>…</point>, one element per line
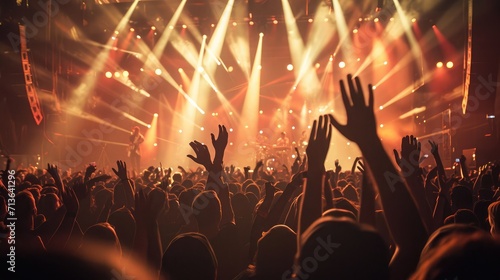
<point>437,158</point>
<point>317,149</point>
<point>367,207</point>
<point>401,213</point>
<point>410,169</point>
<point>214,169</point>
<point>121,172</point>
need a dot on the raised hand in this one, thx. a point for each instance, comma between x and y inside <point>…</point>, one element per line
<point>89,171</point>
<point>359,114</point>
<point>338,168</point>
<point>221,142</point>
<point>202,155</point>
<point>71,203</point>
<point>410,155</point>
<point>53,171</point>
<point>122,170</point>
<point>434,147</point>
<point>319,143</point>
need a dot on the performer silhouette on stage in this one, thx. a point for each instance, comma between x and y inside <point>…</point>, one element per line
<point>134,150</point>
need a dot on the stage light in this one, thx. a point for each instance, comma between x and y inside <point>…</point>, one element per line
<point>158,71</point>
<point>449,64</point>
<point>261,132</point>
<point>180,70</point>
<point>391,19</point>
<point>293,127</point>
<point>138,36</point>
<point>230,143</point>
<point>235,23</point>
<point>155,115</point>
<point>374,87</point>
<point>116,32</point>
<point>141,69</point>
<point>331,58</point>
<point>279,125</point>
<point>153,27</point>
<point>381,125</point>
<point>348,143</point>
<point>125,74</point>
<point>155,144</point>
<point>413,20</point>
<point>202,128</point>
<point>230,113</point>
<point>360,19</point>
<point>231,130</point>
<point>317,65</point>
<point>117,75</point>
<point>259,67</point>
<point>439,64</point>
<point>180,130</point>
<point>381,107</point>
<point>251,22</point>
<point>275,21</point>
<point>290,111</point>
<point>149,126</point>
<point>341,64</point>
<point>358,59</point>
<point>310,20</point>
<point>376,19</point>
<point>230,69</point>
<point>289,67</point>
<point>385,62</point>
<point>261,35</point>
<point>355,30</point>
<point>132,29</point>
<point>246,126</point>
<point>113,38</point>
<point>261,112</point>
<point>212,25</point>
<point>108,75</point>
<point>310,111</point>
<point>170,27</point>
<point>184,26</point>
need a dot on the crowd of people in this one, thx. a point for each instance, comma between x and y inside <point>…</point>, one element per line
<point>378,220</point>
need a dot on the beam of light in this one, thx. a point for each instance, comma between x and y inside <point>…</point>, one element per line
<point>80,94</point>
<point>149,149</point>
<point>404,61</point>
<point>415,48</point>
<point>302,58</point>
<point>92,118</point>
<point>185,48</point>
<point>238,41</point>
<point>295,42</point>
<point>320,34</point>
<point>327,80</point>
<point>378,53</point>
<point>445,45</point>
<point>186,82</point>
<point>134,119</point>
<point>405,92</point>
<point>208,63</point>
<point>165,36</point>
<point>250,111</point>
<point>344,33</point>
<point>214,47</point>
<point>167,77</point>
<point>93,139</point>
<point>412,112</point>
